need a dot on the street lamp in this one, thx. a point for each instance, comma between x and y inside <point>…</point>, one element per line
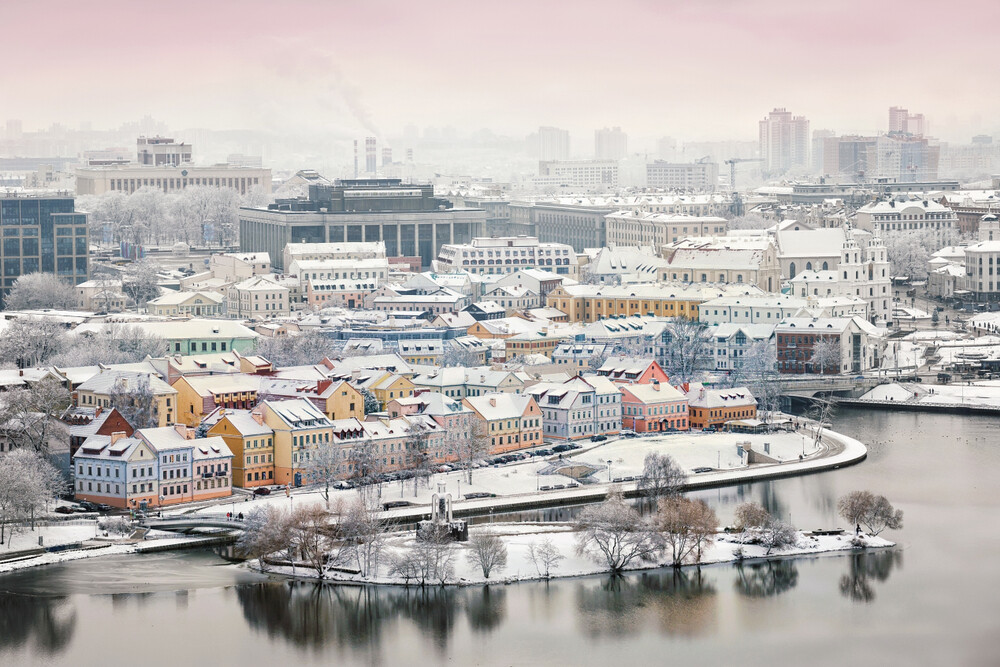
<point>609,471</point>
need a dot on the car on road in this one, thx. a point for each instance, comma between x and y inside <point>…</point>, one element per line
<point>600,437</point>
<point>701,469</point>
<point>543,452</point>
<point>479,494</point>
<point>262,491</point>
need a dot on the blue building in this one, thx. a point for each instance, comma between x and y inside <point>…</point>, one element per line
<point>42,233</point>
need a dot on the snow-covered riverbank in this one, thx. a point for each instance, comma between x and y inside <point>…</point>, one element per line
<point>519,538</point>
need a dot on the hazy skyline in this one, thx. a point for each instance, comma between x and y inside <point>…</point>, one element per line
<point>695,71</point>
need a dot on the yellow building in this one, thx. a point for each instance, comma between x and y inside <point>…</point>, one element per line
<point>126,388</point>
<point>386,386</point>
<point>199,395</point>
<point>252,443</point>
<point>337,399</point>
<point>542,342</point>
<point>590,303</point>
<point>513,421</point>
<point>195,304</point>
<point>299,429</point>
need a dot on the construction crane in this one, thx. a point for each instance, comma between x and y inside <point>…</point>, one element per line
<point>732,162</point>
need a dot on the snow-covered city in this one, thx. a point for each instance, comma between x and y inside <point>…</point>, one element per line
<point>317,348</point>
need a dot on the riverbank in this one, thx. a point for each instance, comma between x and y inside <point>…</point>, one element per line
<point>519,486</point>
<point>520,538</point>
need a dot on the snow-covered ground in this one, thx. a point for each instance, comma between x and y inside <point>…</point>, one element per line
<point>55,534</point>
<point>977,394</point>
<point>519,537</point>
<point>903,355</point>
<point>690,450</point>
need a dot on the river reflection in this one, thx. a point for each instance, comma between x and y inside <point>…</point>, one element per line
<point>44,624</point>
<point>761,580</point>
<point>866,568</point>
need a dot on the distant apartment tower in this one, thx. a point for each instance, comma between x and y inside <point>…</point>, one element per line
<point>901,120</point>
<point>784,141</point>
<point>409,155</point>
<point>161,151</point>
<point>819,138</point>
<point>370,164</point>
<point>43,233</point>
<point>688,176</point>
<point>610,144</point>
<point>553,143</point>
<point>386,156</point>
<point>14,129</point>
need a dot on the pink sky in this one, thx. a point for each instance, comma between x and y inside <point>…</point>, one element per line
<point>695,69</point>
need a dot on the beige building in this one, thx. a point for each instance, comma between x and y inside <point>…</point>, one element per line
<point>169,178</point>
<point>344,250</point>
<point>257,298</point>
<point>195,304</point>
<point>640,228</point>
<point>740,260</point>
<point>235,266</point>
<point>100,295</point>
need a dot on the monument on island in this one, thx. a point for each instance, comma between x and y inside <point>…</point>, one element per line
<point>442,521</point>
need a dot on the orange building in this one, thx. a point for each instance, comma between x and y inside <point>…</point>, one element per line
<point>715,407</point>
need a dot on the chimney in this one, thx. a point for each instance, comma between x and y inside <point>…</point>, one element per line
<point>656,385</point>
<point>183,430</point>
<point>355,375</point>
<point>257,417</point>
<point>701,394</point>
<point>116,436</point>
<point>687,387</point>
<point>323,385</point>
<point>493,402</point>
<point>98,411</point>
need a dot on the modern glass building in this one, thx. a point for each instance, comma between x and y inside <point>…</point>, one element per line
<point>408,218</point>
<point>42,233</point>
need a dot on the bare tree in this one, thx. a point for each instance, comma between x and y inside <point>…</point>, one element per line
<point>311,534</point>
<point>545,556</point>
<point>114,344</point>
<point>135,400</point>
<point>826,356</point>
<point>419,458</point>
<point>686,351</point>
<point>116,525</point>
<point>687,527</point>
<point>776,534</point>
<point>661,476</point>
<point>28,484</point>
<point>875,512</point>
<point>40,290</point>
<point>757,370</point>
<point>758,526</point>
<point>471,443</point>
<point>750,517</point>
<point>366,469</point>
<point>613,533</point>
<point>435,555</point>
<point>363,530</point>
<point>488,551</point>
<point>322,467</point>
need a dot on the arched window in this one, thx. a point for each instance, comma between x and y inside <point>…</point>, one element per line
<point>809,266</point>
<point>791,270</point>
<point>826,266</point>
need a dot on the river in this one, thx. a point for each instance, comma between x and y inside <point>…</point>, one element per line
<point>931,601</point>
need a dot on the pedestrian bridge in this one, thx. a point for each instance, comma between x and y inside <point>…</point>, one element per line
<point>810,385</point>
<point>191,522</point>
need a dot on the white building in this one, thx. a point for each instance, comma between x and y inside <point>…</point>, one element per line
<point>588,174</point>
<point>368,270</point>
<point>322,251</point>
<point>896,216</point>
<point>688,176</point>
<point>729,259</point>
<point>508,254</point>
<point>731,342</point>
<point>784,141</point>
<point>770,309</point>
<point>258,297</point>
<point>610,143</point>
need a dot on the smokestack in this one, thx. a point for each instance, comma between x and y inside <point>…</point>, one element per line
<point>386,156</point>
<point>371,166</point>
<point>355,158</point>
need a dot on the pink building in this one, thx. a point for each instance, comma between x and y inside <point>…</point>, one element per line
<point>653,407</point>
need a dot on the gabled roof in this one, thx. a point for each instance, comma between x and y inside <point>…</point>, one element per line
<point>656,392</point>
<point>107,381</point>
<point>499,406</point>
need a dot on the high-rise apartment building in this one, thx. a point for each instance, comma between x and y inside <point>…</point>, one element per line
<point>42,233</point>
<point>610,144</point>
<point>553,143</point>
<point>386,156</point>
<point>901,120</point>
<point>784,141</point>
<point>688,176</point>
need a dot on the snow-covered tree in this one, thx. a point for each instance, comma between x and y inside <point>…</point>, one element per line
<point>363,530</point>
<point>115,344</point>
<point>615,534</point>
<point>28,484</point>
<point>263,534</point>
<point>470,444</point>
<point>140,282</point>
<point>29,342</point>
<point>322,467</point>
<point>304,349</point>
<point>457,355</point>
<point>135,401</point>
<point>40,290</point>
<point>826,356</point>
<point>909,251</point>
<point>750,221</point>
<point>30,416</point>
<point>488,551</point>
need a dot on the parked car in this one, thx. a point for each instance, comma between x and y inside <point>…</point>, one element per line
<point>709,429</point>
<point>629,433</point>
<point>88,506</point>
<point>543,452</point>
<point>600,437</point>
<point>396,503</point>
<point>101,507</point>
<point>701,469</point>
<point>561,448</point>
<point>64,509</point>
<point>262,491</point>
<point>479,494</point>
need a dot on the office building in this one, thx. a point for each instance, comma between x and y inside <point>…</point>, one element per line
<point>129,178</point>
<point>507,255</point>
<point>901,120</point>
<point>407,218</point>
<point>42,233</point>
<point>610,144</point>
<point>587,174</point>
<point>691,176</point>
<point>784,141</point>
<point>160,151</point>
